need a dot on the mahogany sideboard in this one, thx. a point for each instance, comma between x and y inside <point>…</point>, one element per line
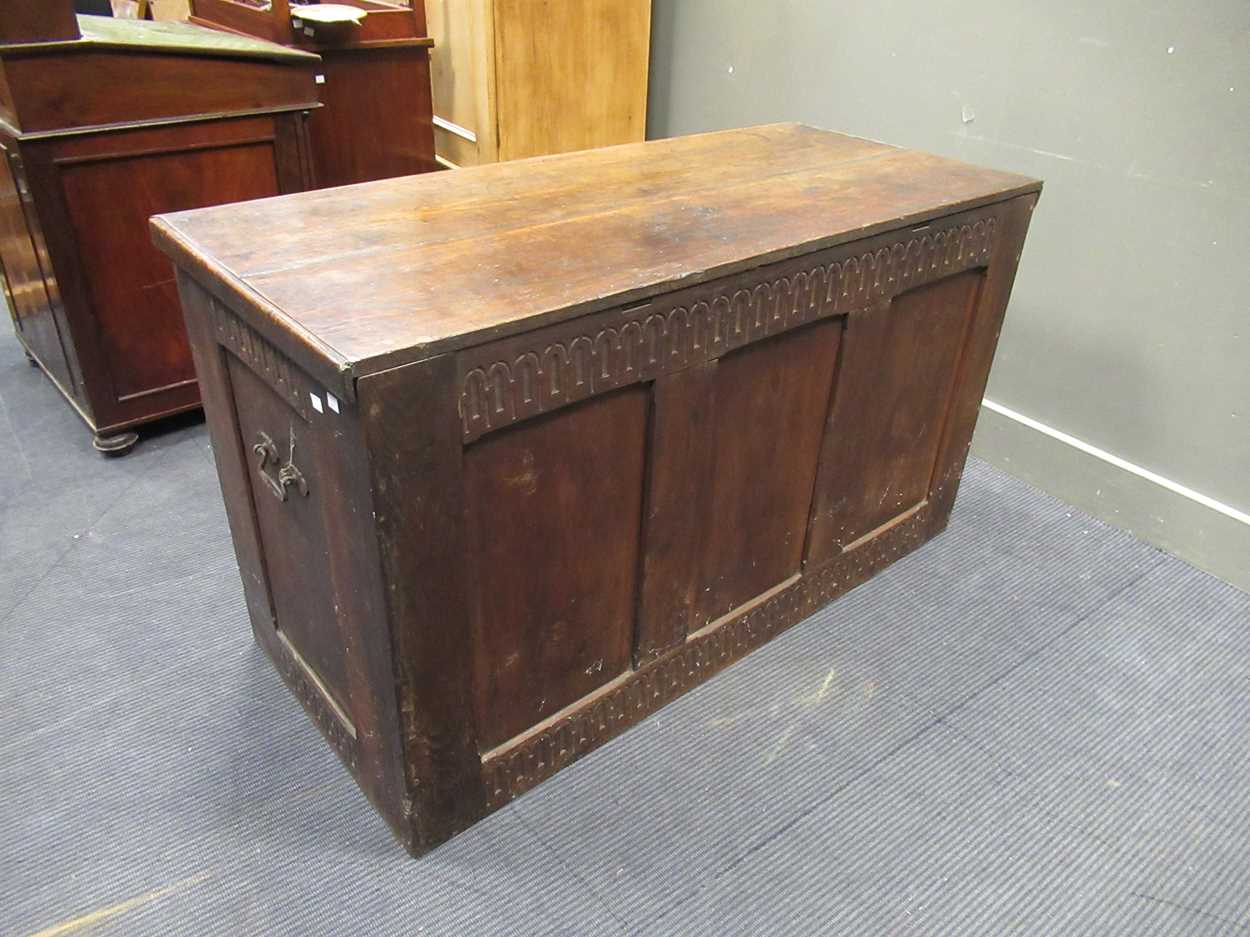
<point>104,123</point>
<point>374,81</point>
<point>516,455</point>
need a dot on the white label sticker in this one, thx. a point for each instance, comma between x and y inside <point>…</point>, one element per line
<point>308,31</point>
<point>320,79</point>
<point>332,401</point>
<point>296,22</point>
<point>316,402</point>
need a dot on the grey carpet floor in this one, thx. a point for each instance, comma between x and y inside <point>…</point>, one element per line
<point>1034,725</point>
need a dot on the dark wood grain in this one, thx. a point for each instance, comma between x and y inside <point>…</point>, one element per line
<point>546,634</point>
<point>772,399</point>
<point>131,285</point>
<point>593,502</point>
<point>984,327</point>
<point>893,397</point>
<point>303,605</point>
<point>677,507</point>
<point>416,212</point>
<point>418,512</point>
<point>347,632</point>
<point>378,90</point>
<point>25,287</point>
<point>386,21</point>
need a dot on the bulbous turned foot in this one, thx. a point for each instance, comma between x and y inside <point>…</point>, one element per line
<point>117,444</point>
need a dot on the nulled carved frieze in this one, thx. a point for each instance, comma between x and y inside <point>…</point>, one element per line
<point>541,755</point>
<point>516,379</point>
<point>255,351</point>
<point>315,704</point>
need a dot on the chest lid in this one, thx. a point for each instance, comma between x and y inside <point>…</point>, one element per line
<point>355,280</point>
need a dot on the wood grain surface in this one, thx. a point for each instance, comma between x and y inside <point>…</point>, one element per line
<point>393,271</point>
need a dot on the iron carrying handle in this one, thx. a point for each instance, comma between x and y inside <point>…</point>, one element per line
<point>287,476</point>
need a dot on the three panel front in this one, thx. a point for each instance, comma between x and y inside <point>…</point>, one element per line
<point>636,479</point>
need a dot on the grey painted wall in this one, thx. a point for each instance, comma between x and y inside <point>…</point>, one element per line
<point>1128,325</point>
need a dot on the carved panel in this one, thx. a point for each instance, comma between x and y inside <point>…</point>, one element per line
<point>265,361</point>
<point>537,757</point>
<point>522,377</point>
<point>339,734</point>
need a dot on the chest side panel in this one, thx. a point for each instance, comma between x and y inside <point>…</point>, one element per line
<point>288,491</point>
<point>292,463</point>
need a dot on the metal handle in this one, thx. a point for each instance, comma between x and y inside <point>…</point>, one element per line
<point>288,476</point>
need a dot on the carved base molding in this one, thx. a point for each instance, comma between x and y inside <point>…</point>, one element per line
<point>333,723</point>
<point>536,756</point>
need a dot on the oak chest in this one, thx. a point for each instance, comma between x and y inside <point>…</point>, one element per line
<point>514,456</point>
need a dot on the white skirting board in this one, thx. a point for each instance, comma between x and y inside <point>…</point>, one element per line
<point>1195,527</point>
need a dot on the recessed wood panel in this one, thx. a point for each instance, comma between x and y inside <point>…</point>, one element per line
<point>554,508</point>
<point>680,453</point>
<point>894,392</point>
<point>134,300</point>
<point>771,402</point>
<point>292,531</point>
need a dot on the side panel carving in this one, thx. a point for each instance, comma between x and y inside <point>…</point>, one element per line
<point>265,361</point>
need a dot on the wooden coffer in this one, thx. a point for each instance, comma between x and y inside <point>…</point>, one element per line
<point>533,449</point>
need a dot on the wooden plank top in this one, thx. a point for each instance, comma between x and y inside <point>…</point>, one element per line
<point>372,276</point>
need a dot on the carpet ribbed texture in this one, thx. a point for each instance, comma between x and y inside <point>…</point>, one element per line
<point>1034,725</point>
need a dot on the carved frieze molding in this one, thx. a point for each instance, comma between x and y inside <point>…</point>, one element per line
<point>518,378</point>
<point>255,351</point>
<point>314,701</point>
<point>539,756</point>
